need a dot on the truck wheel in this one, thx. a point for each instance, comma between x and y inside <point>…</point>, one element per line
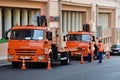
<point>15,64</point>
<point>67,61</point>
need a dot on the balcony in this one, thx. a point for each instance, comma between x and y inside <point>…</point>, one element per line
<point>107,32</point>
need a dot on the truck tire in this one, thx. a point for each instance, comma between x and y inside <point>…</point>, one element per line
<point>15,64</point>
<point>67,61</point>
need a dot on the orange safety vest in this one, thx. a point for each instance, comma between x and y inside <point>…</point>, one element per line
<point>89,50</point>
<point>101,48</point>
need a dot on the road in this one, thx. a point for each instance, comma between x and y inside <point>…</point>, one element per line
<point>108,70</point>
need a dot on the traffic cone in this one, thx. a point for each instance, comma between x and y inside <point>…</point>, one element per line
<point>49,64</point>
<point>23,65</point>
<point>82,60</point>
<point>108,56</point>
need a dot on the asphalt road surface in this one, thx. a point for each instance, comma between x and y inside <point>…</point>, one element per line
<point>108,70</point>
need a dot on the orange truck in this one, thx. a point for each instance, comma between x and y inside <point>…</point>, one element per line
<point>34,44</point>
<point>78,43</point>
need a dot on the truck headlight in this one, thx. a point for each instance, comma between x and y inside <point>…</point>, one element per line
<point>10,57</point>
<point>40,57</point>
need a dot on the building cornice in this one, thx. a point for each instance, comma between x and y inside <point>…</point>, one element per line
<point>106,7</point>
<point>76,4</point>
<point>38,0</point>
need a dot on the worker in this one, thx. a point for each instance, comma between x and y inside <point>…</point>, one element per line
<point>89,54</point>
<point>96,50</point>
<point>90,51</point>
<point>100,50</point>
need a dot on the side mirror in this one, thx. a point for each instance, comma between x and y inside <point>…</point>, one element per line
<point>64,38</point>
<point>49,35</point>
<point>93,38</point>
<point>6,34</point>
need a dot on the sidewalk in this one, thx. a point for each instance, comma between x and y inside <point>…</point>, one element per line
<point>3,51</point>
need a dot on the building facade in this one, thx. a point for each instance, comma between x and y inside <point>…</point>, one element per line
<point>102,16</point>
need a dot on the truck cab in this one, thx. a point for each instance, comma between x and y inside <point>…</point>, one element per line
<point>78,42</point>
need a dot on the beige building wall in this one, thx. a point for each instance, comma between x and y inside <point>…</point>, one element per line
<point>0,23</point>
<point>90,11</point>
<point>53,11</point>
<point>93,8</point>
<point>19,10</point>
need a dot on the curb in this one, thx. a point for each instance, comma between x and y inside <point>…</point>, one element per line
<point>3,61</point>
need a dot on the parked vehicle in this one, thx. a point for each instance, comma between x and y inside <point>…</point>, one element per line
<point>115,49</point>
<point>35,44</point>
<point>78,43</point>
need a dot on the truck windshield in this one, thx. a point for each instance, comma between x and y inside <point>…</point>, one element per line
<point>27,34</point>
<point>79,37</point>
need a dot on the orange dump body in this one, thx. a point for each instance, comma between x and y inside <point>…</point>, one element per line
<point>32,50</point>
<point>78,43</point>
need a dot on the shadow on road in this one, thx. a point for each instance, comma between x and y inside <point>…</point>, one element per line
<point>31,66</point>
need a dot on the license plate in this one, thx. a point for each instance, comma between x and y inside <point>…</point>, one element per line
<point>25,57</point>
<point>77,53</point>
<point>115,52</point>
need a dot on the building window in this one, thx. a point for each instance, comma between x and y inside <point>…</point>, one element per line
<point>11,16</point>
<point>71,21</point>
<point>103,20</point>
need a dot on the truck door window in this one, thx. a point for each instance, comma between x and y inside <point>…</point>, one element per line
<point>85,37</point>
<point>27,34</point>
<point>38,35</point>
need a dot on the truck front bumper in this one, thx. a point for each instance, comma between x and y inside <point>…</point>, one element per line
<point>27,58</point>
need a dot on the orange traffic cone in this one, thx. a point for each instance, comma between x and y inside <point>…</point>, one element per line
<point>23,65</point>
<point>49,64</point>
<point>82,60</point>
<point>108,56</point>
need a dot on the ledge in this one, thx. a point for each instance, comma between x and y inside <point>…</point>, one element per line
<point>3,40</point>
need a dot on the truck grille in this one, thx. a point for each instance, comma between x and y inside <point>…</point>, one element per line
<point>25,51</point>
